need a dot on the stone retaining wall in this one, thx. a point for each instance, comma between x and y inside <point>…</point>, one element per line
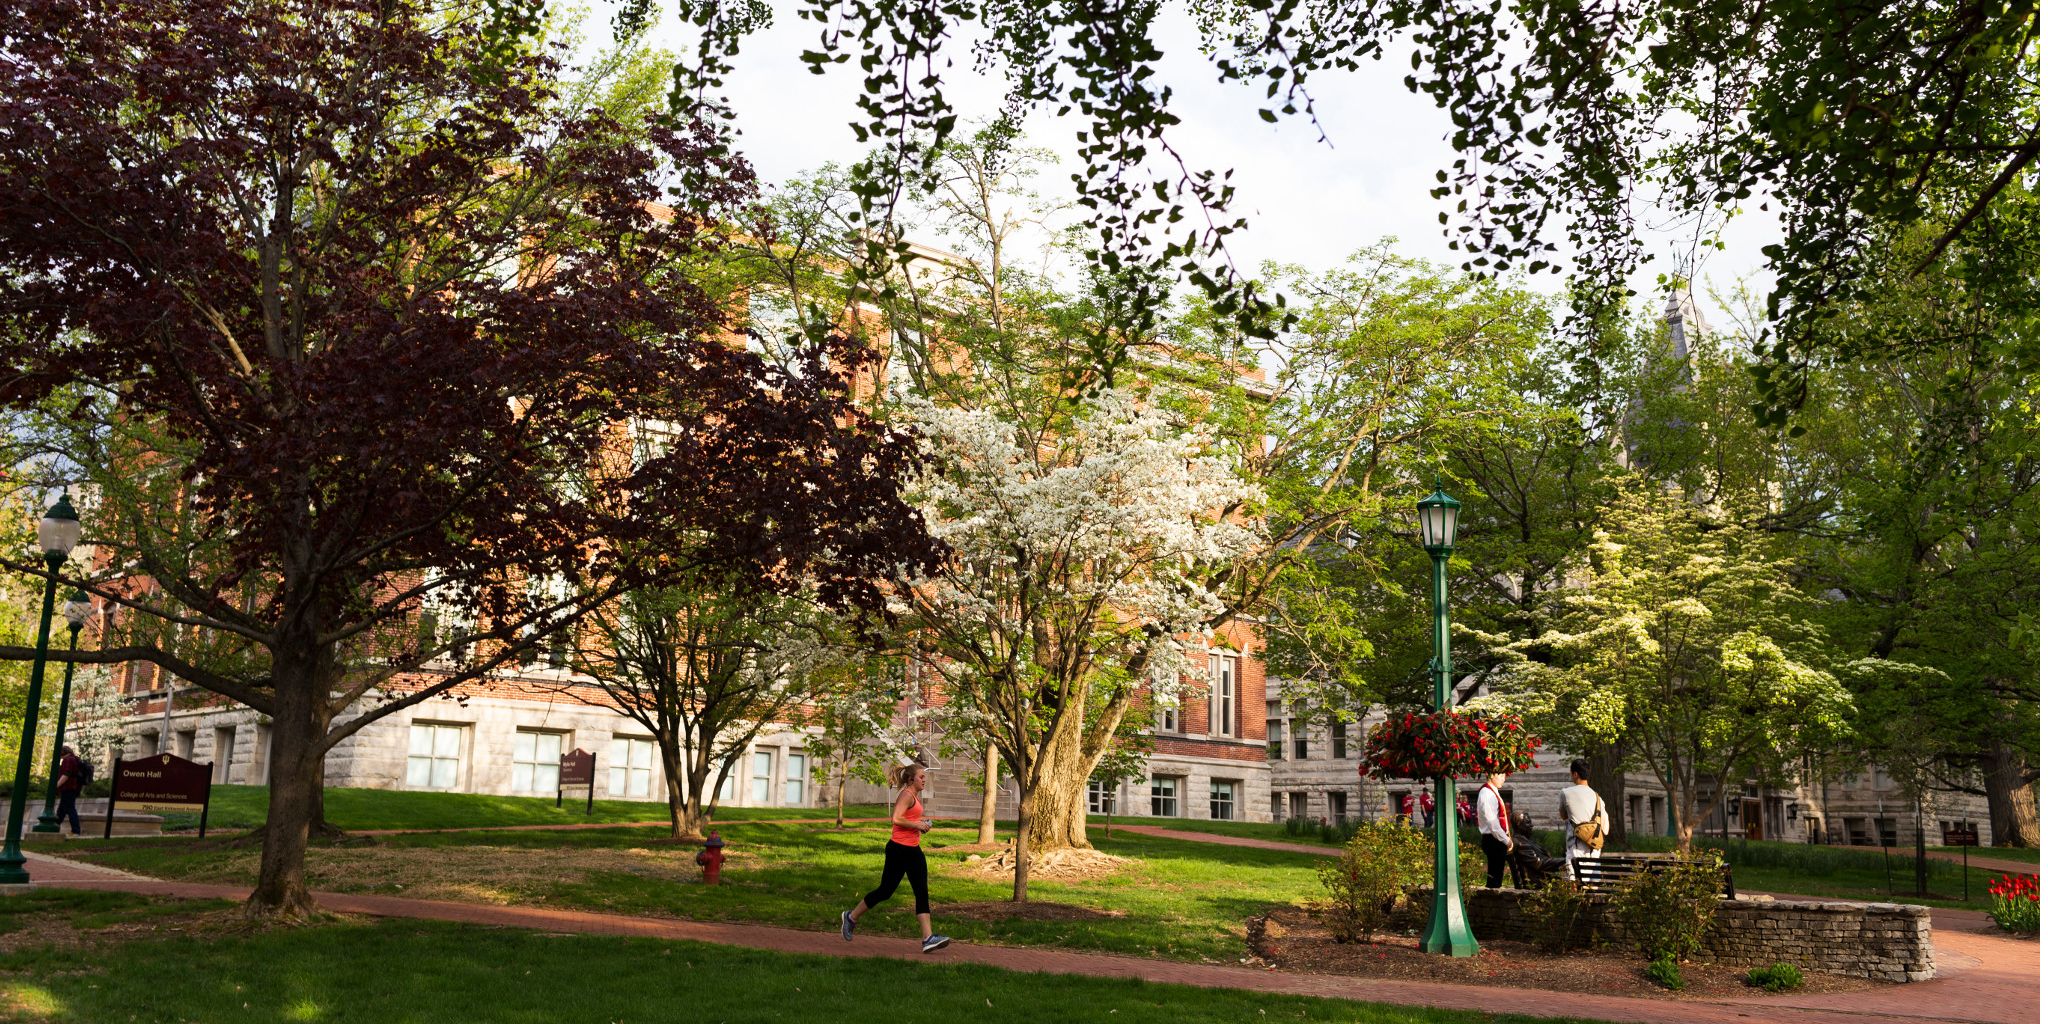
<point>1884,941</point>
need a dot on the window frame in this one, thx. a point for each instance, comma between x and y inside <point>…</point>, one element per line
<point>1170,784</point>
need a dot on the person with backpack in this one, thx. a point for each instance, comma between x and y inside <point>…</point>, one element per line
<point>72,776</point>
<point>1585,817</point>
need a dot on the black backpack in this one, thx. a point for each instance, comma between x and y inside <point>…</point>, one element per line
<point>84,773</point>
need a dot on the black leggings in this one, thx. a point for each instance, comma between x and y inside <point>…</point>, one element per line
<point>899,860</point>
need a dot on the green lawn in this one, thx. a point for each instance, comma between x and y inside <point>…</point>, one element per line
<point>406,972</point>
<point>243,807</point>
<point>1178,899</point>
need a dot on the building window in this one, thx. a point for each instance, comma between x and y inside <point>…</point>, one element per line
<point>1297,805</point>
<point>630,769</point>
<point>1223,694</point>
<point>1300,727</point>
<point>1222,800</point>
<point>550,594</point>
<point>1101,797</point>
<point>764,777</point>
<point>1338,807</point>
<point>1656,815</point>
<point>536,761</point>
<point>434,759</point>
<point>1337,738</point>
<point>186,738</point>
<point>1169,719</point>
<point>1276,739</point>
<point>1165,797</point>
<point>259,755</point>
<point>729,784</point>
<point>793,780</point>
<point>1279,806</point>
<point>1635,814</point>
<point>1888,831</point>
<point>223,752</point>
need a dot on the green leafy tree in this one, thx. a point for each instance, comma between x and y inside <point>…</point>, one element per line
<point>1689,648</point>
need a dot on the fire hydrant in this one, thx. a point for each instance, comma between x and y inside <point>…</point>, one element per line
<point>711,858</point>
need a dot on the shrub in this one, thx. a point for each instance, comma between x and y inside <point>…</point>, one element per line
<point>1664,971</point>
<point>2016,903</point>
<point>1372,876</point>
<point>1778,977</point>
<point>1553,913</point>
<point>1668,910</point>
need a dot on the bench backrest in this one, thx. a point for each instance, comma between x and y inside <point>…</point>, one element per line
<point>1606,874</point>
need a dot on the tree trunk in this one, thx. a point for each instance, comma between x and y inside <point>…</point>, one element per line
<point>990,777</point>
<point>685,807</point>
<point>1608,781</point>
<point>1056,823</point>
<point>1062,792</point>
<point>2015,820</point>
<point>840,816</point>
<point>1027,815</point>
<point>296,793</point>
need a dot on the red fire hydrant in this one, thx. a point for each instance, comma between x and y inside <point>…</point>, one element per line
<point>711,858</point>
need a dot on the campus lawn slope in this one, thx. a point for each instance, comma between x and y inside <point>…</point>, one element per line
<point>412,972</point>
<point>244,807</point>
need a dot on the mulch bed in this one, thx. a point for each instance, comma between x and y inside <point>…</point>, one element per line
<point>1292,939</point>
<point>1036,910</point>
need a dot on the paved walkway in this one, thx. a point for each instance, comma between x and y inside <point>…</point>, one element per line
<point>1985,979</point>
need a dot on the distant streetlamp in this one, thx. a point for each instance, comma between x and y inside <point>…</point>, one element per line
<point>57,534</point>
<point>77,609</point>
<point>1448,930</point>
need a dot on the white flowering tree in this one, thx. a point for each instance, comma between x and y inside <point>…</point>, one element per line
<point>97,709</point>
<point>1689,648</point>
<point>1081,545</point>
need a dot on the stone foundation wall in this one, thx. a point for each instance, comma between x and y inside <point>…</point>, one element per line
<point>1884,941</point>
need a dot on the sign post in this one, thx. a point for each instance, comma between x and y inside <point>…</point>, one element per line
<point>579,768</point>
<point>161,782</point>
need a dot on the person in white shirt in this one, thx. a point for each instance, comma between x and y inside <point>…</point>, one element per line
<point>1495,838</point>
<point>1577,804</point>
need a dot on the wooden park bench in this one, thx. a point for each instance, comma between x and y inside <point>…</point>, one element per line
<point>1607,873</point>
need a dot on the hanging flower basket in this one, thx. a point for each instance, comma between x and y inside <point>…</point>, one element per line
<point>1436,744</point>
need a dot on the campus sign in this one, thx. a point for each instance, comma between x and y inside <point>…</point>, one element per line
<point>579,768</point>
<point>161,782</point>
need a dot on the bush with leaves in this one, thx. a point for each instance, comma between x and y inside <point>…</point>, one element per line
<point>1371,878</point>
<point>1669,909</point>
<point>1664,971</point>
<point>1553,914</point>
<point>1778,977</point>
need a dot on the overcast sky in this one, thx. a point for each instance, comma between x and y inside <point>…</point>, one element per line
<point>1306,201</point>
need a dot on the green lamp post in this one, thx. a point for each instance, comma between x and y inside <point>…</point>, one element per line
<point>77,609</point>
<point>57,534</point>
<point>1448,930</point>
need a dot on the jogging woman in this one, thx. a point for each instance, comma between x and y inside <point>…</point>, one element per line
<point>902,857</point>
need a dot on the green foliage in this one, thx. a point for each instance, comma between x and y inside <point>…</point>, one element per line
<point>1664,971</point>
<point>1371,878</point>
<point>1778,977</point>
<point>1689,647</point>
<point>1553,913</point>
<point>1669,910</point>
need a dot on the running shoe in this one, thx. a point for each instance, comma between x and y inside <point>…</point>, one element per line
<point>936,942</point>
<point>846,925</point>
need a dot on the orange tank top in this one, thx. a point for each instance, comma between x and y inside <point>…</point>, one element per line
<point>909,836</point>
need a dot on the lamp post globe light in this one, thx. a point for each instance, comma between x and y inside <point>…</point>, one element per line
<point>1448,930</point>
<point>57,534</point>
<point>77,609</point>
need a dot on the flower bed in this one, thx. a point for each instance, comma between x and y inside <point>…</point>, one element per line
<point>2016,903</point>
<point>1454,744</point>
